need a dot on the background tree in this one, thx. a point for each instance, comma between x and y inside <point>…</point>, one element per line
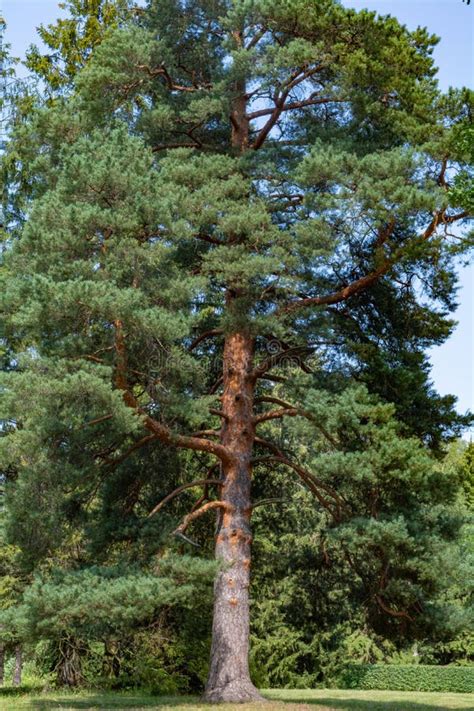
<point>75,608</point>
<point>328,593</point>
<point>72,40</point>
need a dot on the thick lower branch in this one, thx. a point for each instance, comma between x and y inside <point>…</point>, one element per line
<point>161,432</point>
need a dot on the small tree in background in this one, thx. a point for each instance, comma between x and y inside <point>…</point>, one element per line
<point>74,609</point>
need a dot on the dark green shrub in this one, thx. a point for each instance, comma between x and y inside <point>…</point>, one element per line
<point>415,677</point>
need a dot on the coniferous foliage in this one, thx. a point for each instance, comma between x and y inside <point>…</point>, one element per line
<point>224,193</point>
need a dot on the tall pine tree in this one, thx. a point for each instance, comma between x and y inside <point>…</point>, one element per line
<point>224,183</point>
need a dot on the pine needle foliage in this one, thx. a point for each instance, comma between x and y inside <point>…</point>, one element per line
<point>224,190</point>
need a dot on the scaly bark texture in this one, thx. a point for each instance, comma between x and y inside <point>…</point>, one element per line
<point>229,678</point>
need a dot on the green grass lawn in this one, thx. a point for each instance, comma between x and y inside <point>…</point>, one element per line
<point>280,699</point>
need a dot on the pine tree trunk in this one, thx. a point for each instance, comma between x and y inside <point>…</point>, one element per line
<point>18,665</point>
<point>2,664</point>
<point>229,677</point>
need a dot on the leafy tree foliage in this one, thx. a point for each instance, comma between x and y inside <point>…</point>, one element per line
<point>73,38</point>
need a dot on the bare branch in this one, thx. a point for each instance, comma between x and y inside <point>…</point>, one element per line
<point>311,481</point>
<point>178,534</point>
<point>205,494</point>
<point>137,445</point>
<point>199,512</point>
<point>275,415</point>
<point>180,489</point>
<point>216,385</point>
<point>162,71</point>
<point>356,286</point>
<point>282,355</point>
<point>390,611</point>
<point>299,76</point>
<point>267,445</point>
<point>218,413</point>
<point>296,105</point>
<point>274,500</point>
<point>207,334</point>
<point>256,38</point>
<point>272,378</point>
<point>302,412</point>
<point>97,421</point>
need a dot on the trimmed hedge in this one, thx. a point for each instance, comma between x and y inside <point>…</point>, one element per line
<point>415,677</point>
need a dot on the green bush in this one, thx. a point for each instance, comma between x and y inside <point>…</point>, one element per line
<point>415,677</point>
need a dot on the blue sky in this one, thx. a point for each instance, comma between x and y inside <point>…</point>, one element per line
<point>453,22</point>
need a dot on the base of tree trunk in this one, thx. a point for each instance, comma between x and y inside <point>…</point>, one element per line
<point>237,691</point>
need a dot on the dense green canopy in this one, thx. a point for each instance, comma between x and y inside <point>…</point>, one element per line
<point>232,237</point>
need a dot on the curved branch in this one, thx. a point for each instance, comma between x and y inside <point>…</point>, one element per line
<point>293,353</point>
<point>312,482</point>
<point>199,512</point>
<point>366,281</point>
<point>218,413</point>
<point>299,411</point>
<point>275,415</point>
<point>390,611</point>
<point>215,387</point>
<point>171,84</point>
<point>280,105</point>
<point>205,494</point>
<point>207,334</point>
<point>267,445</point>
<point>297,105</point>
<point>272,378</point>
<point>97,421</point>
<point>356,286</point>
<point>271,500</point>
<point>180,489</point>
<point>137,445</point>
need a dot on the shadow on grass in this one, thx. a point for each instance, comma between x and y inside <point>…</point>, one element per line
<point>20,690</point>
<point>91,702</point>
<point>139,701</point>
<point>52,700</point>
<point>370,705</point>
